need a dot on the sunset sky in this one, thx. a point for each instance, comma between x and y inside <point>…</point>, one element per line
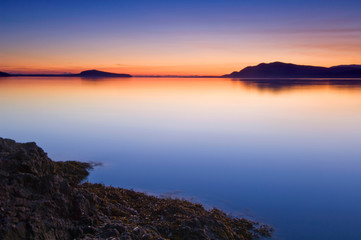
<point>175,37</point>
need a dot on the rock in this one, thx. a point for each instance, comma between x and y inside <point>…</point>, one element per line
<point>42,199</point>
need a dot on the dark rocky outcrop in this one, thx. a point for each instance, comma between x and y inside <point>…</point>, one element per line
<point>4,74</point>
<point>42,199</point>
<point>288,70</point>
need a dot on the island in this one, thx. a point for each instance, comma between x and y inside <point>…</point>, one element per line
<point>84,74</point>
<point>44,199</point>
<point>289,70</point>
<point>101,74</point>
<point>4,74</point>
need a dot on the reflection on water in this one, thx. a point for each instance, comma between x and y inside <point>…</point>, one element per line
<point>282,84</point>
<point>283,152</point>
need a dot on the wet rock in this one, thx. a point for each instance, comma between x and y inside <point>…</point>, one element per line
<point>42,199</point>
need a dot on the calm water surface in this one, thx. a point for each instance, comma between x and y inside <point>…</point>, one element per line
<point>284,154</point>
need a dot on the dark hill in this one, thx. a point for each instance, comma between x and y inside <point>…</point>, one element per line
<point>352,66</point>
<point>98,74</point>
<point>288,70</point>
<point>4,74</point>
<point>42,199</point>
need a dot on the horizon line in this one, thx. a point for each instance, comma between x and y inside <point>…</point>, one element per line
<point>15,74</point>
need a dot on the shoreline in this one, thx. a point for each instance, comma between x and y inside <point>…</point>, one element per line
<point>269,79</point>
<point>47,199</point>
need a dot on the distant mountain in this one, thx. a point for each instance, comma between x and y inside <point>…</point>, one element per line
<point>97,74</point>
<point>84,74</point>
<point>288,70</point>
<point>354,66</point>
<point>4,74</point>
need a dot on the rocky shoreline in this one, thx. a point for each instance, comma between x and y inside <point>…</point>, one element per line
<point>43,199</point>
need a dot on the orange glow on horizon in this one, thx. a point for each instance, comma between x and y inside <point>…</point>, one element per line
<point>210,58</point>
<point>205,41</point>
<point>185,70</point>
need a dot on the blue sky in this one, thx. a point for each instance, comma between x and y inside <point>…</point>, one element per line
<point>190,37</point>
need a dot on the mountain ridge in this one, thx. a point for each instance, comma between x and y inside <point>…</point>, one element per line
<point>289,70</point>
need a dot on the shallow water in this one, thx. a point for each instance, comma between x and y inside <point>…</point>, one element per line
<point>282,152</point>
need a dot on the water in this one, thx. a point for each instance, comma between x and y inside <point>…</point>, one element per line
<point>281,153</point>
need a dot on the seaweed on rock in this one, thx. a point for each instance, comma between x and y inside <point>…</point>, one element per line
<point>42,199</point>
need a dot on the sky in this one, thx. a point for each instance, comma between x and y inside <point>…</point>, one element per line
<point>199,37</point>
